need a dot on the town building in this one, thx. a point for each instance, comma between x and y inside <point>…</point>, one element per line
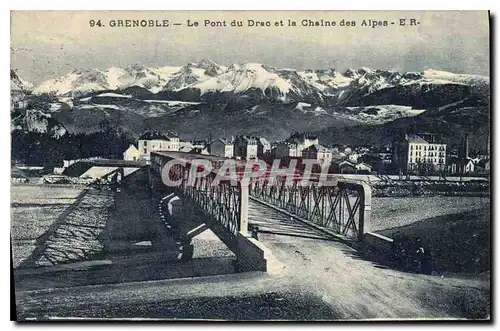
<point>199,150</point>
<point>185,146</point>
<point>353,157</point>
<point>157,141</point>
<point>469,166</point>
<point>317,152</point>
<point>458,166</point>
<point>293,146</point>
<point>246,147</point>
<point>132,153</point>
<point>285,149</point>
<point>200,143</point>
<point>222,147</point>
<point>348,167</point>
<point>264,147</point>
<point>422,153</point>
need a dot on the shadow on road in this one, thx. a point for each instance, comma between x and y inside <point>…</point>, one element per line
<point>449,244</point>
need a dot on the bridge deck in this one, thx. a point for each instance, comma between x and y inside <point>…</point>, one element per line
<point>271,221</point>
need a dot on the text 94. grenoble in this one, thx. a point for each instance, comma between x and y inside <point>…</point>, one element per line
<point>131,23</point>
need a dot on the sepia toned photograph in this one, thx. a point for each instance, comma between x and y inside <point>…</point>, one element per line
<point>295,166</point>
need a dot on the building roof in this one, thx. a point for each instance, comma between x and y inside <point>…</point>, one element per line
<point>249,139</point>
<point>263,141</point>
<point>225,141</point>
<point>134,146</point>
<point>197,150</point>
<point>157,135</point>
<point>346,163</point>
<point>317,148</point>
<point>300,137</point>
<point>413,138</point>
<point>288,144</point>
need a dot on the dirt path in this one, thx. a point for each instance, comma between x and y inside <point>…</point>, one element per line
<point>357,288</point>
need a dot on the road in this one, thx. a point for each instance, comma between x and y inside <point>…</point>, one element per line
<point>355,287</point>
<point>321,279</point>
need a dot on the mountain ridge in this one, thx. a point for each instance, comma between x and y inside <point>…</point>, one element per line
<point>322,86</point>
<point>204,98</point>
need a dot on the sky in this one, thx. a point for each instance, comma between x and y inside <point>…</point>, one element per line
<point>47,44</point>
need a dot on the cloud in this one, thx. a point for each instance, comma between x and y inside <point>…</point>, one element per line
<point>50,43</point>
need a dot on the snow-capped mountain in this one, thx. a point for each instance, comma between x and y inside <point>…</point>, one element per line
<point>207,80</point>
<point>243,78</point>
<point>254,98</point>
<point>190,74</point>
<point>365,86</point>
<point>276,84</point>
<point>82,82</point>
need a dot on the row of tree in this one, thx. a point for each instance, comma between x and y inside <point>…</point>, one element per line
<point>41,149</point>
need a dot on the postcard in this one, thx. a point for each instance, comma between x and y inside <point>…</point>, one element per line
<point>250,165</point>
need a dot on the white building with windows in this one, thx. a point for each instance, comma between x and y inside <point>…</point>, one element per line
<point>418,154</point>
<point>151,141</point>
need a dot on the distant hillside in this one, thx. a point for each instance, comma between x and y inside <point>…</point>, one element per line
<point>205,98</point>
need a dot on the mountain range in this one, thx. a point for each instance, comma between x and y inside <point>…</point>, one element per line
<point>205,98</point>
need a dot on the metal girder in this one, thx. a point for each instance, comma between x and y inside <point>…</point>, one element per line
<point>339,208</point>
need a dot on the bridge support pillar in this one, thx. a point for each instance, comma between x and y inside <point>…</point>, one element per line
<point>252,255</point>
<point>365,211</point>
<point>244,198</point>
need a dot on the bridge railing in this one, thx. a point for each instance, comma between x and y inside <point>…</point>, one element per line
<point>223,203</point>
<point>343,208</point>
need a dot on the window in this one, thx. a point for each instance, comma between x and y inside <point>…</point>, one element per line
<point>145,143</point>
<point>145,150</point>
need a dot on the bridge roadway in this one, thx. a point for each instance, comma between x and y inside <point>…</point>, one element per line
<point>321,278</point>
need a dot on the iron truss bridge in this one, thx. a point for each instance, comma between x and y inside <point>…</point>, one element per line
<point>343,208</point>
